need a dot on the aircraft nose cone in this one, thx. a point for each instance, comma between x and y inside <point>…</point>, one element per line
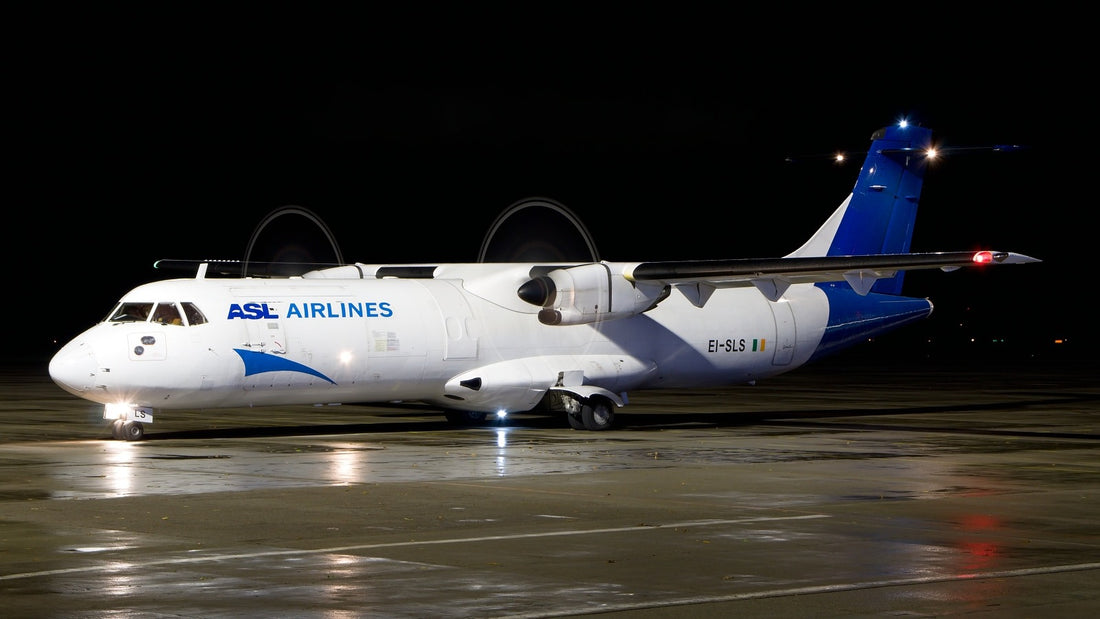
<point>73,368</point>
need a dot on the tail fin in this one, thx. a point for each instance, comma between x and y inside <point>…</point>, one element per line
<point>878,216</point>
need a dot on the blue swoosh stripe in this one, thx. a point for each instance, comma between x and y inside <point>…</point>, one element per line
<point>258,363</point>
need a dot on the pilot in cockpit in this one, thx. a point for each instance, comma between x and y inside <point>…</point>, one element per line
<point>167,314</point>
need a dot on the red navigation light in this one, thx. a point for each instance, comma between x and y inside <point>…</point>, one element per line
<point>983,257</point>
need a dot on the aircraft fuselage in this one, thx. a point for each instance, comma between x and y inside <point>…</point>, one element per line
<point>306,341</point>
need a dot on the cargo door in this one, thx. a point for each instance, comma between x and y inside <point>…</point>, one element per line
<point>460,339</point>
<point>785,334</point>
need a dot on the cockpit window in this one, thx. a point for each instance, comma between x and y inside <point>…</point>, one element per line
<point>167,314</point>
<point>194,314</point>
<point>131,312</point>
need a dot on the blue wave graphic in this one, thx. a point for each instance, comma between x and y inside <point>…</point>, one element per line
<point>258,363</point>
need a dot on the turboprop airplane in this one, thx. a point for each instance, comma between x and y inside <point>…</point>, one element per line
<point>570,337</point>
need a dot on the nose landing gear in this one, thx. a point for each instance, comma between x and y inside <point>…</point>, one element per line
<point>127,430</point>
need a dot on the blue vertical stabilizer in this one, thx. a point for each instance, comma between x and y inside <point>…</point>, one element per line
<point>877,218</point>
<point>883,207</point>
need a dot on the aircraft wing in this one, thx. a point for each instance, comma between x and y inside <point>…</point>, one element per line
<point>773,276</point>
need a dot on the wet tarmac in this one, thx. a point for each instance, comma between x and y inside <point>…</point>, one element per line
<point>839,491</point>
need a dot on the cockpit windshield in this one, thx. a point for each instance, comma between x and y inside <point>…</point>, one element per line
<point>167,314</point>
<point>131,312</point>
<point>164,312</point>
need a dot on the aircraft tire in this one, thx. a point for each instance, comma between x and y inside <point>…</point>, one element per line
<point>576,421</point>
<point>133,431</point>
<point>597,414</point>
<point>116,428</point>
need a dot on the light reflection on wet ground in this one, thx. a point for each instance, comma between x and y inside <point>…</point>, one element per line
<point>813,498</point>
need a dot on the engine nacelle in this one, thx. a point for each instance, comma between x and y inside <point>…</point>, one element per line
<point>588,293</point>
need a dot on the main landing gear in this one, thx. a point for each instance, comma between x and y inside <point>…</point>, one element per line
<point>593,413</point>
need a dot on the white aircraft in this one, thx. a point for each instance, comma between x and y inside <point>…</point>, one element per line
<point>571,337</point>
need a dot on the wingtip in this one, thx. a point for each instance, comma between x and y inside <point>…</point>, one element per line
<point>1014,258</point>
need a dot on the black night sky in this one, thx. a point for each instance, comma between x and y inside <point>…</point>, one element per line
<point>170,137</point>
